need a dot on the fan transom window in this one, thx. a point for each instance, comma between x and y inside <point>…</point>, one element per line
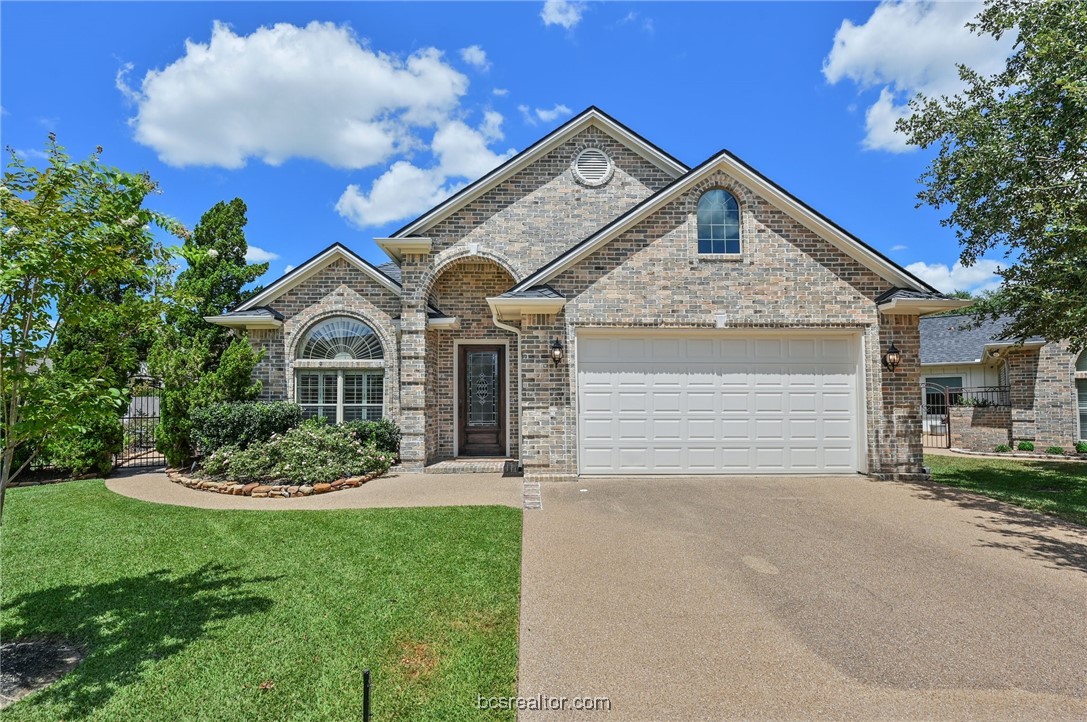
<point>341,339</point>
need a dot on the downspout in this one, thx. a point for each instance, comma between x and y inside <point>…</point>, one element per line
<point>520,375</point>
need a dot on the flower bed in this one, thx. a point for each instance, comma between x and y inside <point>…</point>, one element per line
<point>313,458</point>
<point>277,490</point>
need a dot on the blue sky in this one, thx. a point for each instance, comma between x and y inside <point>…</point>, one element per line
<point>342,121</point>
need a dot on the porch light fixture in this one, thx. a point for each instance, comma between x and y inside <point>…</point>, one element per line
<point>556,352</point>
<point>892,358</point>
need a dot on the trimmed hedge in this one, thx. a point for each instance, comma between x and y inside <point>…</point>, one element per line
<point>243,423</point>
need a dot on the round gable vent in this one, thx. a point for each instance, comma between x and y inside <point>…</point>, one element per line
<point>593,167</point>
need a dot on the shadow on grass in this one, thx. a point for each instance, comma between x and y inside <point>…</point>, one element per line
<point>1062,544</point>
<point>128,625</point>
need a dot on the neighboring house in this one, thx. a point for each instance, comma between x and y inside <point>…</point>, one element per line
<point>595,306</point>
<point>981,390</point>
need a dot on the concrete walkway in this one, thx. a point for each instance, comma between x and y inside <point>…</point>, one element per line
<point>393,490</point>
<point>800,598</point>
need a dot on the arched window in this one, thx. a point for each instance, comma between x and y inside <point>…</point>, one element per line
<point>718,222</point>
<point>341,381</point>
<point>341,338</point>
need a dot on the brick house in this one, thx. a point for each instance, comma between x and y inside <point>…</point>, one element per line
<point>987,390</point>
<point>595,306</point>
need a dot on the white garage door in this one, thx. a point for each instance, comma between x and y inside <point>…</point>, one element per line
<point>717,404</point>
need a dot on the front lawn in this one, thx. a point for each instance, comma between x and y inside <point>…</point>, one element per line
<point>192,614</point>
<point>1051,487</point>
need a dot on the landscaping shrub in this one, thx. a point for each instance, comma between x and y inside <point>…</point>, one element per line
<point>1026,446</point>
<point>1081,447</point>
<point>308,454</point>
<point>240,424</point>
<point>87,449</point>
<point>1058,450</point>
<point>384,434</point>
<point>1002,448</point>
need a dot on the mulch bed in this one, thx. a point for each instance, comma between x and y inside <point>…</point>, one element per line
<point>27,665</point>
<point>271,491</point>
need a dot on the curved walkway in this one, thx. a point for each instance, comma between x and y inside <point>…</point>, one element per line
<point>396,489</point>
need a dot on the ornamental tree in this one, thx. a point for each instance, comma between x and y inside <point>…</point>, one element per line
<point>70,230</point>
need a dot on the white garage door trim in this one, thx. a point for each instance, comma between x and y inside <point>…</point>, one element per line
<point>701,401</point>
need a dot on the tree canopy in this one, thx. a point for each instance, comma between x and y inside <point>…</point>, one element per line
<point>1011,166</point>
<point>76,241</point>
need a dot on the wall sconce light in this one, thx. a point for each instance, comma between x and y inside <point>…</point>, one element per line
<point>892,358</point>
<point>556,352</point>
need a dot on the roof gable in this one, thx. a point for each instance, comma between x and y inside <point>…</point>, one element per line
<point>309,268</point>
<point>591,116</point>
<point>762,186</point>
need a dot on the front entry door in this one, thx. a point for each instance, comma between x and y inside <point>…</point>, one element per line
<point>481,402</point>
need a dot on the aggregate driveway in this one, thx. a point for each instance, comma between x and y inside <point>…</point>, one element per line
<point>800,598</point>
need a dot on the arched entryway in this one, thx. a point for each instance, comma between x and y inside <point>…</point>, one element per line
<point>471,366</point>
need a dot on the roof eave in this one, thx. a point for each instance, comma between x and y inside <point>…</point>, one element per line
<point>397,248</point>
<point>508,308</point>
<point>922,306</point>
<point>244,322</point>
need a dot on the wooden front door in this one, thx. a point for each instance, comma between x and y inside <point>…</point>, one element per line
<point>481,401</point>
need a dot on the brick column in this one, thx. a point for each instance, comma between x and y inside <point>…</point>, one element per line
<point>899,453</point>
<point>413,320</point>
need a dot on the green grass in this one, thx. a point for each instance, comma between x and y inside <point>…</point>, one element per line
<point>184,613</point>
<point>1051,487</point>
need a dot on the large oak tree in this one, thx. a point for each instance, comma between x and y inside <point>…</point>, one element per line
<point>1011,166</point>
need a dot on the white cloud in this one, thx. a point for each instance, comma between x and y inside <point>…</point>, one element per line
<point>979,277</point>
<point>476,57</point>
<point>406,190</point>
<point>562,12</point>
<point>256,254</point>
<point>905,48</point>
<point>286,91</point>
<point>546,115</point>
<point>899,247</point>
<point>288,268</point>
<point>501,92</point>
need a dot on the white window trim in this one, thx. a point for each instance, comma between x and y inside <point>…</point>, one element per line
<point>340,386</point>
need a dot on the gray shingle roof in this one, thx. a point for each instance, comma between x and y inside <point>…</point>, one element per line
<point>893,293</point>
<point>543,291</point>
<point>391,270</point>
<point>956,339</point>
<point>257,312</point>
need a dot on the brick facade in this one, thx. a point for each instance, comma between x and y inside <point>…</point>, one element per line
<point>980,428</point>
<point>1043,395</point>
<point>787,278</point>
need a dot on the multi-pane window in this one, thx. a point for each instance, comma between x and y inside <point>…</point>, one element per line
<point>342,394</point>
<point>718,223</point>
<point>346,393</point>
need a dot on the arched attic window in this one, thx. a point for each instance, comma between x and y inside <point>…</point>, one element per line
<point>340,388</point>
<point>718,223</point>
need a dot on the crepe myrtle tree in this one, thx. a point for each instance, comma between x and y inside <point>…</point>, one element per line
<point>68,228</point>
<point>1011,166</point>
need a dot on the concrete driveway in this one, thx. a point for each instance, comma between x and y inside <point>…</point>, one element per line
<point>800,598</point>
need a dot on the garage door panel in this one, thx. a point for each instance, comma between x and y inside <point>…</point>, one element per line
<point>717,405</point>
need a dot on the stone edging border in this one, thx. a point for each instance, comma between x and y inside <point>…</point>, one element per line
<point>259,491</point>
<point>1073,456</point>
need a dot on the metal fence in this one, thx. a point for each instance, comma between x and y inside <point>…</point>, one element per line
<point>937,402</point>
<point>139,423</point>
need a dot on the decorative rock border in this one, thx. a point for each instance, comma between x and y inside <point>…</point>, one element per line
<point>270,491</point>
